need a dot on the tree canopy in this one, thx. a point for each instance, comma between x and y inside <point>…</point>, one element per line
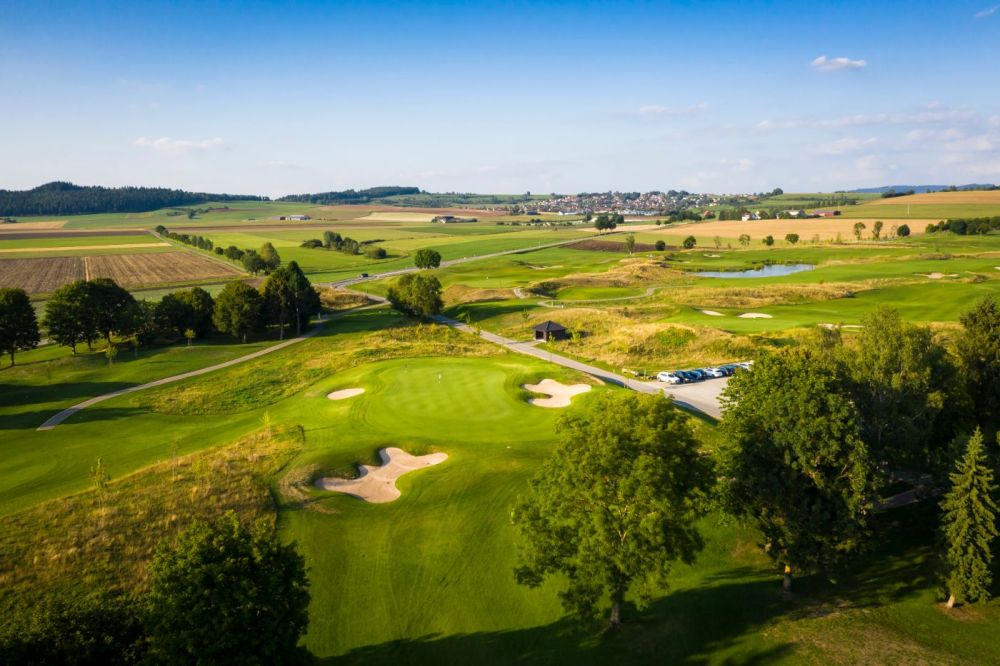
<point>18,323</point>
<point>227,593</point>
<point>978,348</point>
<point>417,295</point>
<point>796,464</point>
<point>238,310</point>
<point>289,297</point>
<point>61,198</point>
<point>969,526</point>
<point>615,504</point>
<point>427,258</point>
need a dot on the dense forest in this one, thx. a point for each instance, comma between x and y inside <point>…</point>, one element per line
<point>59,198</point>
<point>351,196</point>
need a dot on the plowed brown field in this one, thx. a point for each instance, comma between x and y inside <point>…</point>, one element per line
<point>43,275</point>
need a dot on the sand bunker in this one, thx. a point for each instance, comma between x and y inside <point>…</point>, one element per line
<point>378,484</point>
<point>343,394</point>
<point>755,315</point>
<point>560,393</point>
<point>712,313</point>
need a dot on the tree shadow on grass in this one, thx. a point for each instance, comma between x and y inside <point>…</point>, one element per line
<point>689,626</point>
<point>720,621</point>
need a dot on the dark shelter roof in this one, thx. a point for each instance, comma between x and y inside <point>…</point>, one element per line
<point>550,327</point>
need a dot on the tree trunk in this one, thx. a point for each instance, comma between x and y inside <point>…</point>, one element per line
<point>951,601</point>
<point>244,337</point>
<point>12,357</point>
<point>615,621</point>
<point>786,582</point>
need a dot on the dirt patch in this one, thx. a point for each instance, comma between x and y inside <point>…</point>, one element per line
<point>25,226</point>
<point>559,394</point>
<point>42,275</point>
<point>71,248</point>
<point>613,246</point>
<point>377,485</point>
<point>344,394</point>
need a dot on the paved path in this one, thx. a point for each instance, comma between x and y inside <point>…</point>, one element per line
<point>70,411</point>
<point>702,397</point>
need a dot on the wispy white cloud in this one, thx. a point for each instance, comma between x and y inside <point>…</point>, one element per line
<point>653,110</point>
<point>824,64</point>
<point>989,11</point>
<point>179,146</point>
<point>844,146</point>
<point>929,115</point>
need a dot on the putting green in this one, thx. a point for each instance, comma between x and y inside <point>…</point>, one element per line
<point>440,558</point>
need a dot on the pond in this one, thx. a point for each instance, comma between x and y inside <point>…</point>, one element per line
<point>774,270</point>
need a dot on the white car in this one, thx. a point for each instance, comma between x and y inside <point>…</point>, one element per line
<point>714,372</point>
<point>669,378</point>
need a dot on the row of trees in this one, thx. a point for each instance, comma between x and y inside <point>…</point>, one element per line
<point>813,436</point>
<point>223,593</point>
<point>608,221</point>
<point>334,241</point>
<point>966,226</point>
<point>352,196</point>
<point>61,198</point>
<point>265,260</point>
<point>87,310</point>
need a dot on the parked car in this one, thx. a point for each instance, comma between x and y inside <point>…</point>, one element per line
<point>364,275</point>
<point>693,375</point>
<point>728,369</point>
<point>669,378</point>
<point>714,372</point>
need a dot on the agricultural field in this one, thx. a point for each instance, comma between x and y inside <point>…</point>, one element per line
<point>932,205</point>
<point>44,275</point>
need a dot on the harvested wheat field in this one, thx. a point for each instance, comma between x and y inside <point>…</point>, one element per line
<point>826,228</point>
<point>939,198</point>
<point>70,248</point>
<point>33,226</point>
<point>43,275</point>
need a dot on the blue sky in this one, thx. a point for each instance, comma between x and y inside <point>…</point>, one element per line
<point>272,98</point>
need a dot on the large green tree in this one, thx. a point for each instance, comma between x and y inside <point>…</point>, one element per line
<point>427,258</point>
<point>69,315</point>
<point>796,465</point>
<point>110,304</point>
<point>270,257</point>
<point>239,310</point>
<point>417,295</point>
<point>289,297</point>
<point>978,347</point>
<point>228,594</point>
<point>906,391</point>
<point>615,503</point>
<point>18,323</point>
<point>969,526</point>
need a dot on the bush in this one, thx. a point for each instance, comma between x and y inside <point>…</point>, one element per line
<point>74,630</point>
<point>660,245</point>
<point>903,231</point>
<point>690,242</point>
<point>228,594</point>
<point>312,243</point>
<point>376,253</point>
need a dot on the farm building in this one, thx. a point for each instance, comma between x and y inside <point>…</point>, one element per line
<point>826,213</point>
<point>550,330</point>
<point>295,218</point>
<point>451,219</point>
